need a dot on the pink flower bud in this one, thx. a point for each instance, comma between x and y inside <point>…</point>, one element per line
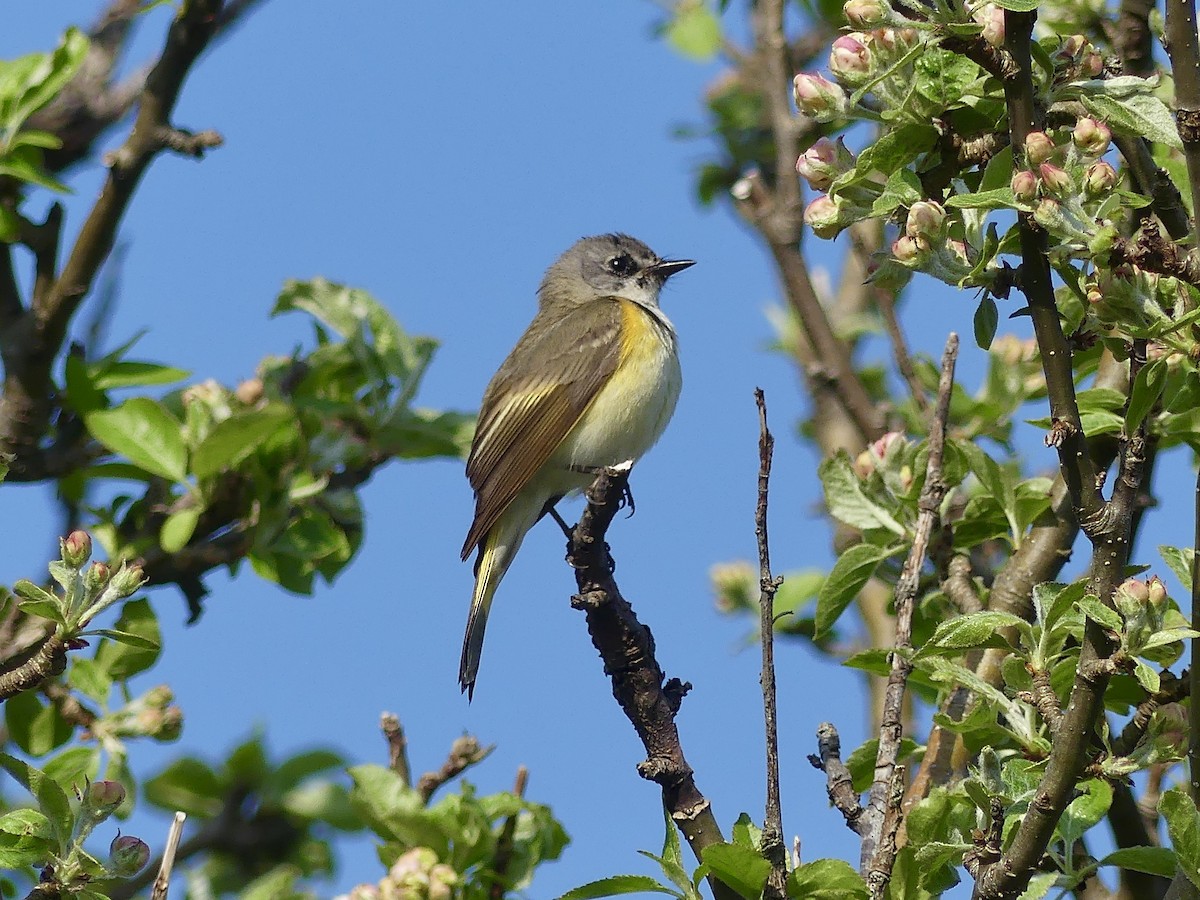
<point>865,14</point>
<point>1135,589</point>
<point>76,548</point>
<point>1156,591</point>
<point>850,60</point>
<point>1038,147</point>
<point>1024,185</point>
<point>102,797</point>
<point>991,17</point>
<point>127,856</point>
<point>1055,180</point>
<point>823,162</point>
<point>1092,64</point>
<point>1100,179</point>
<point>910,251</point>
<point>819,97</point>
<point>1091,137</point>
<point>925,219</point>
<point>822,217</point>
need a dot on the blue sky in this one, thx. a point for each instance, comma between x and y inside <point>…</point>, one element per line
<point>440,156</point>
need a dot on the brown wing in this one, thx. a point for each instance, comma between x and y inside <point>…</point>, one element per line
<point>534,400</point>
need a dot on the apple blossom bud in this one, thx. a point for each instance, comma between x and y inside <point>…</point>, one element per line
<point>76,548</point>
<point>1092,64</point>
<point>1135,589</point>
<point>925,219</point>
<point>910,251</point>
<point>824,162</point>
<point>819,97</point>
<point>1100,179</point>
<point>1024,185</point>
<point>127,856</point>
<point>249,391</point>
<point>128,579</point>
<point>822,217</point>
<point>850,60</point>
<point>102,797</point>
<point>1038,147</point>
<point>865,14</point>
<point>1048,214</point>
<point>1091,136</point>
<point>1094,294</point>
<point>1071,47</point>
<point>991,17</point>
<point>1156,591</point>
<point>95,577</point>
<point>818,164</point>
<point>361,892</point>
<point>1055,180</point>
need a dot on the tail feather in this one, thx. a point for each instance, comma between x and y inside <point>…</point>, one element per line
<point>487,577</point>
<point>496,552</point>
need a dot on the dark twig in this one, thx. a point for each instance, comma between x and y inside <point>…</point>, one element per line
<point>50,659</point>
<point>1045,700</point>
<point>465,752</point>
<point>887,310</point>
<point>504,843</point>
<point>773,848</point>
<point>1183,46</point>
<point>958,586</point>
<point>838,783</point>
<point>393,733</point>
<point>879,852</point>
<point>626,647</point>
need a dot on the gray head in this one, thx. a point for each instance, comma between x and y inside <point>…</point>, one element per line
<point>608,265</point>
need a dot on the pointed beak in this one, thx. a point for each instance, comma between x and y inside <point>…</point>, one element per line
<point>665,268</point>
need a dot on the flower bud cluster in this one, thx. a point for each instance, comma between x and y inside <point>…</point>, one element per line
<point>1143,605</point>
<point>416,875</point>
<point>151,715</point>
<point>1076,59</point>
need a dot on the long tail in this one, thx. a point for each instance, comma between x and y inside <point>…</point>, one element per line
<point>490,567</point>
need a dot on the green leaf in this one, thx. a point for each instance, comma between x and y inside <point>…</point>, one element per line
<point>973,630</point>
<point>1183,825</point>
<point>861,763</point>
<point>125,373</point>
<point>189,785</point>
<point>51,799</point>
<point>846,499</point>
<point>616,885</point>
<point>35,728</point>
<point>740,868</point>
<point>851,571</point>
<point>1180,560</point>
<point>36,601</point>
<point>1091,607</point>
<point>121,658</point>
<point>129,639</point>
<point>826,879</point>
<point>1018,5</point>
<point>1151,860</point>
<point>1139,115</point>
<point>88,678</point>
<point>987,317</point>
<point>1146,676</point>
<point>1147,388</point>
<point>235,438</point>
<point>142,430</point>
<point>1085,810</point>
<point>694,31</point>
<point>178,528</point>
<point>1039,886</point>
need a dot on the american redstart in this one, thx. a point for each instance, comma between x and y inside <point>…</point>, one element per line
<point>591,383</point>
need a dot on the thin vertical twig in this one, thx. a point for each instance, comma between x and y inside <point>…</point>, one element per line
<point>393,733</point>
<point>882,811</point>
<point>163,882</point>
<point>504,844</point>
<point>772,838</point>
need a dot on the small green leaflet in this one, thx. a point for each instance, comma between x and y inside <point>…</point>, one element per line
<point>849,574</point>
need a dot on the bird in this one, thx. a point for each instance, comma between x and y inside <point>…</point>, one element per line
<point>591,383</point>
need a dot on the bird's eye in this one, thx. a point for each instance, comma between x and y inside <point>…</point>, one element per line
<point>621,264</point>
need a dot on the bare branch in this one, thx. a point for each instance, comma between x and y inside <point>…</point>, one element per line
<point>393,733</point>
<point>626,647</point>
<point>878,846</point>
<point>838,783</point>
<point>773,848</point>
<point>465,752</point>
